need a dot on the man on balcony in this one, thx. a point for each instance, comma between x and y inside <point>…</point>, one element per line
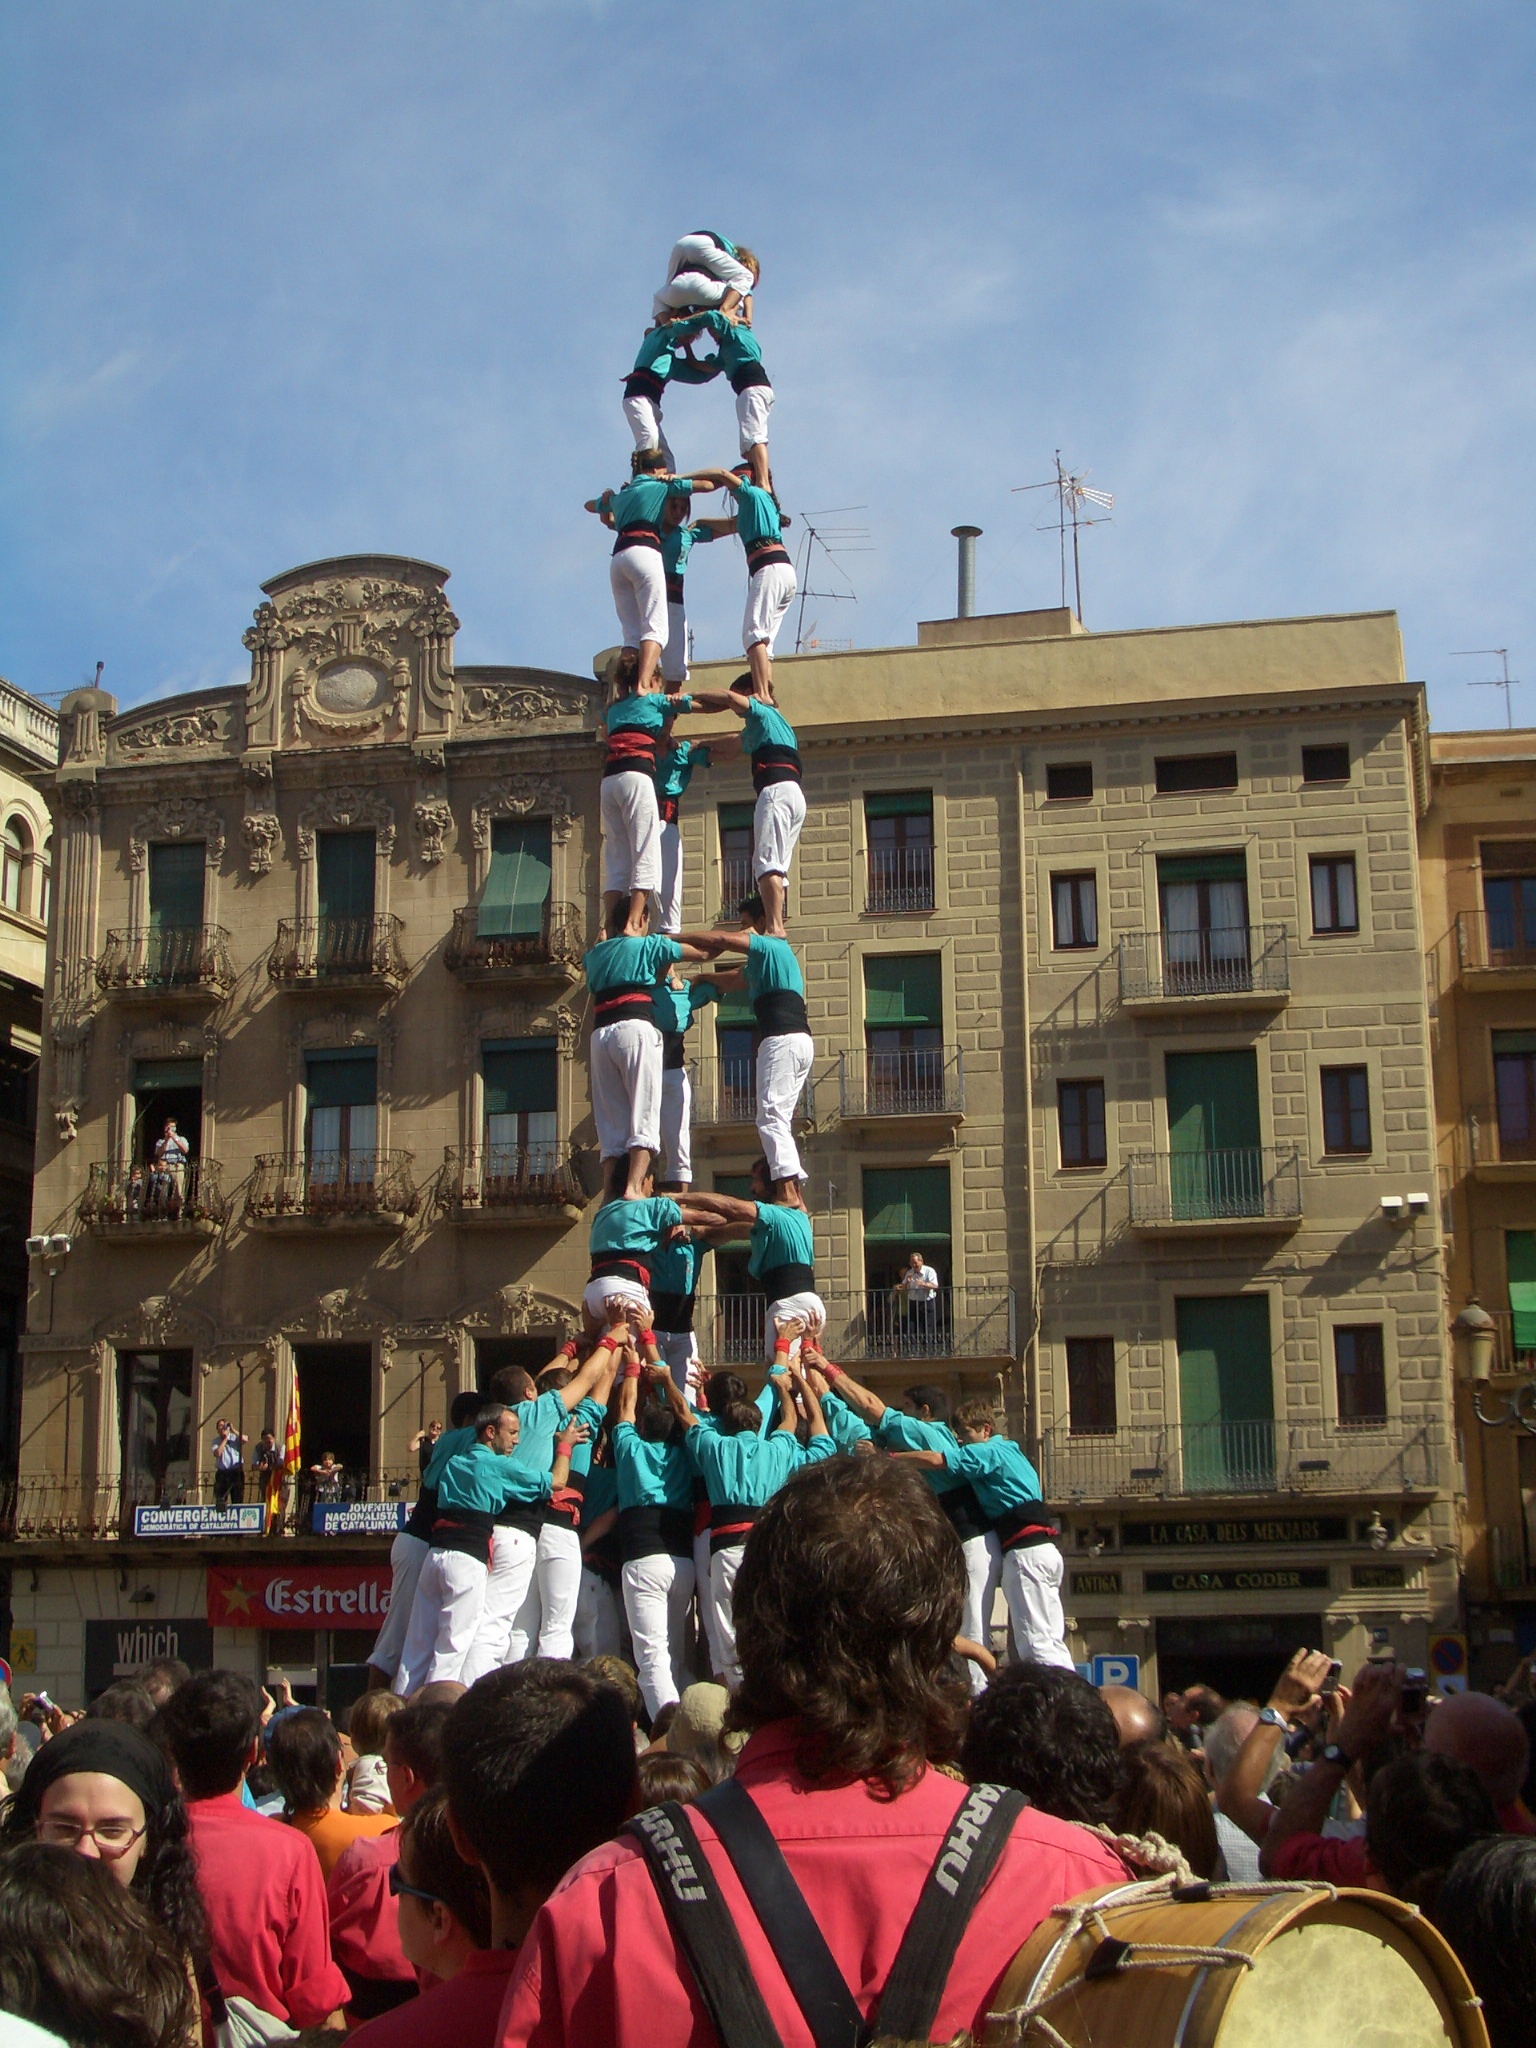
<point>169,1179</point>
<point>228,1465</point>
<point>918,1292</point>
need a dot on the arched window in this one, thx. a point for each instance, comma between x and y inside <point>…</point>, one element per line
<point>15,845</point>
<point>45,881</point>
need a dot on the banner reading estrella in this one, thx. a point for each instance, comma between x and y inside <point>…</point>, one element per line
<point>298,1595</point>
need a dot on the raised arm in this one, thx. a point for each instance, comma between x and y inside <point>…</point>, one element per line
<point>810,1401</point>
<point>596,1376</point>
<point>722,700</point>
<point>711,944</point>
<point>676,1400</point>
<point>703,1210</point>
<point>573,1434</point>
<point>933,1460</point>
<point>1240,1795</point>
<point>1367,1721</point>
<point>859,1399</point>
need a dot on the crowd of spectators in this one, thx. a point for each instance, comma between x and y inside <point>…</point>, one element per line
<point>460,1869</point>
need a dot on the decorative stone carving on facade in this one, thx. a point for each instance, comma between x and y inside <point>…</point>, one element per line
<point>175,817</point>
<point>514,1311</point>
<point>266,639</point>
<point>434,625</point>
<point>523,1020</point>
<point>521,796</point>
<point>340,1312</point>
<point>346,806</point>
<point>170,1041</point>
<point>82,743</point>
<point>520,703</point>
<point>372,1030</point>
<point>262,833</point>
<point>350,700</point>
<point>71,1039</point>
<point>156,1321</point>
<point>200,728</point>
<point>432,817</point>
<point>78,799</point>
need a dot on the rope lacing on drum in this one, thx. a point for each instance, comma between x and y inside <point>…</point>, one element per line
<point>1114,1957</point>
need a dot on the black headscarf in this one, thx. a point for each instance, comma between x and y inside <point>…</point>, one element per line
<point>111,1747</point>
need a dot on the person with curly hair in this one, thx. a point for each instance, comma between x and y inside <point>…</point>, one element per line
<point>847,1603</point>
<point>1049,1735</point>
<point>82,1957</point>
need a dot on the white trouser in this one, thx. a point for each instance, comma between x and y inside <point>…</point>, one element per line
<point>783,1068</point>
<point>639,585</point>
<point>658,1594</point>
<point>680,1354</point>
<point>699,273</point>
<point>676,1115</point>
<point>644,416</point>
<point>513,1555</point>
<point>557,1574</point>
<point>597,1618</point>
<point>983,1572</point>
<point>407,1555</point>
<point>723,1567</point>
<point>705,1591</point>
<point>1032,1582</point>
<point>674,653</point>
<point>771,591</point>
<point>631,833</point>
<point>445,1621</point>
<point>809,1309</point>
<point>610,1287</point>
<point>670,915</point>
<point>624,1073</point>
<point>752,409</point>
<point>777,817</point>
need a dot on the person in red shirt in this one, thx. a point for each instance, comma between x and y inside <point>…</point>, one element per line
<point>260,1881</point>
<point>365,1919</point>
<point>848,1600</point>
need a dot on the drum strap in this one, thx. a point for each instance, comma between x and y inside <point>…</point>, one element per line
<point>701,1920</point>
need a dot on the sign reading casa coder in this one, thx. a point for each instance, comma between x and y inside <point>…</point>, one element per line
<point>1260,1579</point>
<point>298,1595</point>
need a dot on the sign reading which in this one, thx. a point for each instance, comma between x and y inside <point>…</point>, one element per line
<point>1270,1529</point>
<point>241,1521</point>
<point>1253,1579</point>
<point>119,1649</point>
<point>298,1595</point>
<point>360,1517</point>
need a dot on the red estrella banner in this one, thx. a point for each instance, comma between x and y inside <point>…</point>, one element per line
<point>298,1595</point>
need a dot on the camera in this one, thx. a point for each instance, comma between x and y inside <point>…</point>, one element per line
<point>1415,1693</point>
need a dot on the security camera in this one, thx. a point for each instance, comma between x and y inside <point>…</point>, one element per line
<point>36,1246</point>
<point>1394,1208</point>
<point>1419,1204</point>
<point>59,1246</point>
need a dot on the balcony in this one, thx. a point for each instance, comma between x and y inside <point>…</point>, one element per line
<point>82,1510</point>
<point>1246,1191</point>
<point>907,1094</point>
<point>333,953</point>
<point>552,954</point>
<point>187,963</point>
<point>725,1097</point>
<point>871,1327</point>
<point>1498,1141</point>
<point>1236,967</point>
<point>1177,1462</point>
<point>130,1204</point>
<point>1496,950</point>
<point>511,1187</point>
<point>900,881</point>
<point>361,1190</point>
<point>735,882</point>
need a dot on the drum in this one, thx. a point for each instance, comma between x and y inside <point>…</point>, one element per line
<point>1230,1966</point>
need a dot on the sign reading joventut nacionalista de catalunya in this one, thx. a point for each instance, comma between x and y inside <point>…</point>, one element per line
<point>298,1595</point>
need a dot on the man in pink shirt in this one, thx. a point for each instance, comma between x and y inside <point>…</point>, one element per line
<point>848,1600</point>
<point>260,1880</point>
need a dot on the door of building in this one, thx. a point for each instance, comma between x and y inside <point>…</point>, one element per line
<point>335,1400</point>
<point>1215,1164</point>
<point>344,884</point>
<point>1240,1656</point>
<point>176,876</point>
<point>1226,1392</point>
<point>531,1353</point>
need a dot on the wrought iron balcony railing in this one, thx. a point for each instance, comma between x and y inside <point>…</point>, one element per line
<point>735,881</point>
<point>1231,960</point>
<point>872,1326</point>
<point>511,1181</point>
<point>901,879</point>
<point>1496,941</point>
<point>154,1198</point>
<point>1246,1184</point>
<point>73,1508</point>
<point>332,952</point>
<point>1172,1461</point>
<point>552,952</point>
<point>156,960</point>
<point>930,1083</point>
<point>360,1184</point>
<point>725,1092</point>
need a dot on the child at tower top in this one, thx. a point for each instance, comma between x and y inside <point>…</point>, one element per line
<point>706,270</point>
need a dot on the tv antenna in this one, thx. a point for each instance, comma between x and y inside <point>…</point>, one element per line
<point>1505,682</point>
<point>1073,496</point>
<point>834,542</point>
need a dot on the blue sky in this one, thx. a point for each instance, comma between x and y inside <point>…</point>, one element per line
<point>291,278</point>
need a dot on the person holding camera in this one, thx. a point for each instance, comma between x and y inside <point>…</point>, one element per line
<point>228,1464</point>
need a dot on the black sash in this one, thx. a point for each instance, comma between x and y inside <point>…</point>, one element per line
<point>748,375</point>
<point>765,555</point>
<point>620,1266</point>
<point>467,1530</point>
<point>527,1515</point>
<point>643,384</point>
<point>772,764</point>
<point>423,1515</point>
<point>623,999</point>
<point>637,537</point>
<point>780,1013</point>
<point>963,1509</point>
<point>1020,1528</point>
<point>654,1531</point>
<point>671,1052</point>
<point>631,751</point>
<point>674,587</point>
<point>672,1313</point>
<point>778,1282</point>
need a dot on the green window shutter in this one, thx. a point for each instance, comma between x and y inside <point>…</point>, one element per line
<point>151,1074</point>
<point>176,884</point>
<point>344,873</point>
<point>739,1185</point>
<point>737,817</point>
<point>520,1075</point>
<point>1520,1263</point>
<point>1516,1042</point>
<point>1203,867</point>
<point>517,887</point>
<point>899,803</point>
<point>334,1080</point>
<point>904,989</point>
<point>734,1012</point>
<point>903,1204</point>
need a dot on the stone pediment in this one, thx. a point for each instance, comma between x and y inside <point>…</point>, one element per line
<point>524,701</point>
<point>147,735</point>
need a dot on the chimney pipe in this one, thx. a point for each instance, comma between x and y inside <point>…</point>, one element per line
<point>966,603</point>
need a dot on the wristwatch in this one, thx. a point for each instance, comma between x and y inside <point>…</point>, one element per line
<point>1273,1718</point>
<point>1340,1758</point>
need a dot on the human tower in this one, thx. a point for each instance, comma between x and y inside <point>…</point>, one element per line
<point>624,1481</point>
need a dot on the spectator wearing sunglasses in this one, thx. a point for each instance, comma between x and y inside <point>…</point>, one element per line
<point>445,1928</point>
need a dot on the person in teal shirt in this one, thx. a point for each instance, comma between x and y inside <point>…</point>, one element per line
<point>786,1051</point>
<point>771,584</point>
<point>655,1532</point>
<point>634,727</point>
<point>741,358</point>
<point>778,816</point>
<point>680,536</point>
<point>677,1003</point>
<point>637,513</point>
<point>664,356</point>
<point>782,1258</point>
<point>598,1633</point>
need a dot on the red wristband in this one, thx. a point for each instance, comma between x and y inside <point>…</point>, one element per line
<point>646,1337</point>
<point>631,1372</point>
<point>781,1345</point>
<point>569,1349</point>
<point>829,1371</point>
<point>609,1344</point>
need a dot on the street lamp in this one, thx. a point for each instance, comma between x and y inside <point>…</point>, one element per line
<point>1476,1335</point>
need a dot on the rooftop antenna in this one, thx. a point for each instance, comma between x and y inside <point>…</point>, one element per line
<point>833,541</point>
<point>1505,682</point>
<point>1073,495</point>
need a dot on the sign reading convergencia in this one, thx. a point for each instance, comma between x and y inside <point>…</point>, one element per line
<point>298,1595</point>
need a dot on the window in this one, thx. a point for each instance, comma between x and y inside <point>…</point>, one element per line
<point>904,1032</point>
<point>1181,772</point>
<point>1334,908</point>
<point>335,1403</point>
<point>1203,902</point>
<point>1068,781</point>
<point>174,946</point>
<point>14,844</point>
<point>1514,1081</point>
<point>906,1210</point>
<point>515,901</point>
<point>735,855</point>
<point>18,1086</point>
<point>1346,1109</point>
<point>1509,901</point>
<point>521,1078</point>
<point>344,885</point>
<point>155,1402</point>
<point>342,1126</point>
<point>735,1099</point>
<point>1325,764</point>
<point>900,828</point>
<point>1074,912</point>
<point>1520,1271</point>
<point>1091,1386</point>
<point>1360,1371</point>
<point>1080,1117</point>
